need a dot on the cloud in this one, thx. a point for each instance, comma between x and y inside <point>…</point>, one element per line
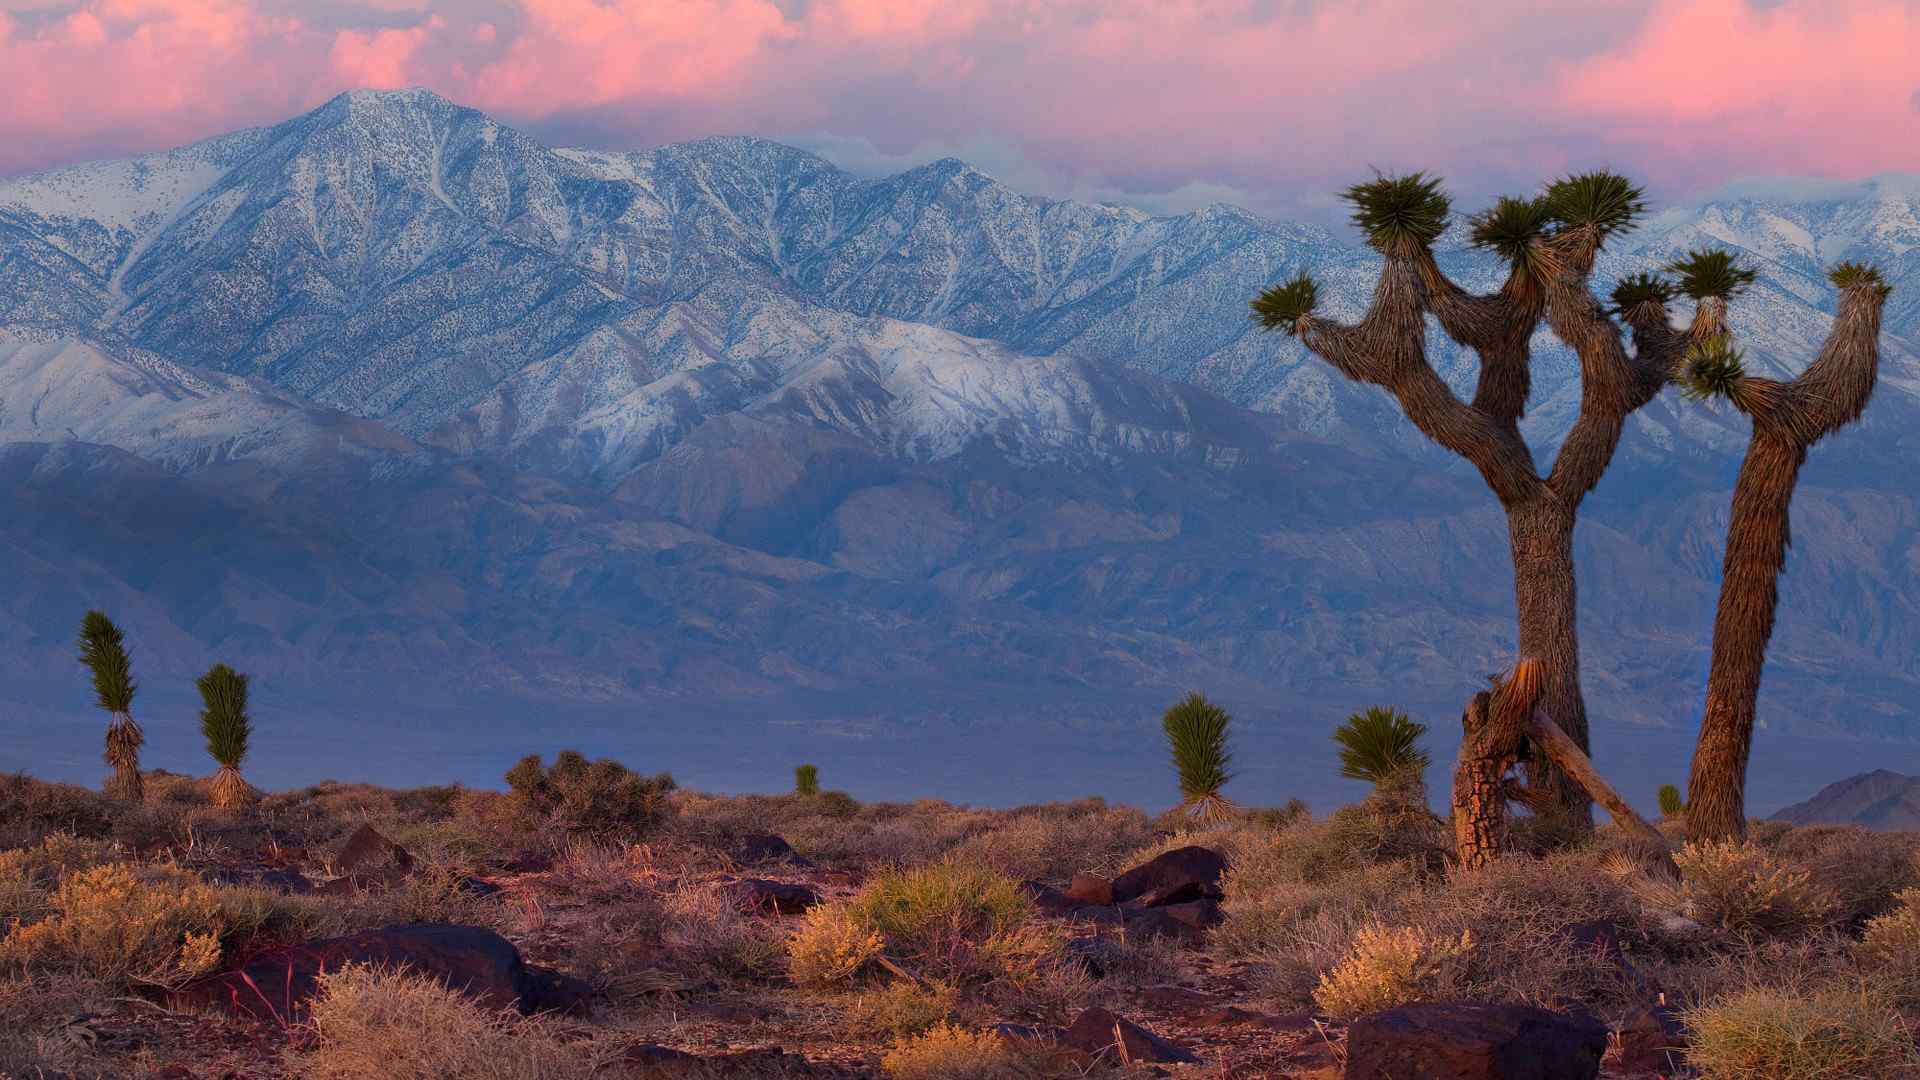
<point>1268,103</point>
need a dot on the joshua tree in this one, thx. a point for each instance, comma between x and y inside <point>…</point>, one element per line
<point>1197,736</point>
<point>1549,245</point>
<point>225,724</point>
<point>806,780</point>
<point>1788,418</point>
<point>1381,746</point>
<point>1671,804</point>
<point>103,651</point>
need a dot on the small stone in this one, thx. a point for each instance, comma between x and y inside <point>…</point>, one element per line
<point>1090,889</point>
<point>1102,1034</point>
<point>1653,1040</point>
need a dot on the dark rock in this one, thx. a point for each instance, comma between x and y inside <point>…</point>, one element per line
<point>546,990</point>
<point>1100,1033</point>
<point>474,886</point>
<point>1171,870</point>
<point>1044,1035</point>
<point>1184,893</point>
<point>1449,1041</point>
<point>1199,914</point>
<point>773,897</point>
<point>766,847</point>
<point>1653,1040</point>
<point>1049,900</point>
<point>1229,1016</point>
<point>528,862</point>
<point>279,984</point>
<point>1090,889</point>
<point>1177,999</point>
<point>367,850</point>
<point>1157,922</point>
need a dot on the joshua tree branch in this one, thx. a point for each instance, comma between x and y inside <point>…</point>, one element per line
<point>1498,326</point>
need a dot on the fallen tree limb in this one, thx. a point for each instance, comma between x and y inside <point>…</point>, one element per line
<point>1556,744</point>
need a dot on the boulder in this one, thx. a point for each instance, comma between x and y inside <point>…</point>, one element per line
<point>1187,922</point>
<point>528,861</point>
<point>1102,1034</point>
<point>773,897</point>
<point>1166,873</point>
<point>280,983</point>
<point>1049,900</point>
<point>1090,889</point>
<point>1653,1040</point>
<point>369,853</point>
<point>766,847</point>
<point>1457,1041</point>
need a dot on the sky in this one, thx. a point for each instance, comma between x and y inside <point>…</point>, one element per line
<point>1164,104</point>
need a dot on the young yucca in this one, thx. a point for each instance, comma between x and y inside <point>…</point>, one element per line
<point>1197,735</point>
<point>806,780</point>
<point>1380,746</point>
<point>225,723</point>
<point>103,651</point>
<point>1671,804</point>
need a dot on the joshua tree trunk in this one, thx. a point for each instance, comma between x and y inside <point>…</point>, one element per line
<point>123,753</point>
<point>1788,418</point>
<point>1541,534</point>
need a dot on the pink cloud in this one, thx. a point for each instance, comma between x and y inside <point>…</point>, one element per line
<point>1127,95</point>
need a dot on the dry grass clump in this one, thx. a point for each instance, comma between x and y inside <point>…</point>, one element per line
<point>1832,1034</point>
<point>372,1023</point>
<point>1390,966</point>
<point>704,929</point>
<point>903,1008</point>
<point>947,1052</point>
<point>124,922</point>
<point>1741,888</point>
<point>831,947</point>
<point>31,809</point>
<point>1053,842</point>
<point>1863,870</point>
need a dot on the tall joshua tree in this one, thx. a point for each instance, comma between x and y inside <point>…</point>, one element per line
<point>1549,244</point>
<point>1788,418</point>
<point>224,722</point>
<point>103,651</point>
<point>1197,738</point>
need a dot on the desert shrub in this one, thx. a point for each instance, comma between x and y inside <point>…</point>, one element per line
<point>1745,889</point>
<point>1054,842</point>
<point>369,1023</point>
<point>30,809</point>
<point>1280,817</point>
<point>952,1053</point>
<point>1835,1034</point>
<point>119,922</point>
<point>903,1009</point>
<point>806,780</point>
<point>1895,936</point>
<point>831,947</point>
<point>839,803</point>
<point>1389,966</point>
<point>704,929</point>
<point>1864,871</point>
<point>1267,911</point>
<point>602,797</point>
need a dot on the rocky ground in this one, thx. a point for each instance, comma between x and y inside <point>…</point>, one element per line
<point>813,936</point>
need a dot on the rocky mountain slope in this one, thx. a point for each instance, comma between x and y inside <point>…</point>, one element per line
<point>391,389</point>
<point>1878,800</point>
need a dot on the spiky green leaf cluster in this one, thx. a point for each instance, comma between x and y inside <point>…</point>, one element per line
<point>1510,227</point>
<point>1606,202</point>
<point>1708,273</point>
<point>1671,803</point>
<point>1639,289</point>
<point>1711,368</point>
<point>1381,746</point>
<point>224,720</point>
<point>1282,306</point>
<point>1197,735</point>
<point>103,650</point>
<point>1850,274</point>
<point>806,780</point>
<point>1390,209</point>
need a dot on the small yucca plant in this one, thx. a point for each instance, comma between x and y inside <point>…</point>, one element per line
<point>1197,736</point>
<point>1671,804</point>
<point>1381,746</point>
<point>103,651</point>
<point>225,723</point>
<point>806,780</point>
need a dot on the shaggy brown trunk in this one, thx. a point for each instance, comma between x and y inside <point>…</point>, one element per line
<point>123,753</point>
<point>1480,788</point>
<point>1541,534</point>
<point>1749,596</point>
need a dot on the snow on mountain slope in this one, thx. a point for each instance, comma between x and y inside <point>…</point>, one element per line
<point>56,388</point>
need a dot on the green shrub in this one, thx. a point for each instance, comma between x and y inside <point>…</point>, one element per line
<point>806,780</point>
<point>903,1008</point>
<point>951,1053</point>
<point>1671,803</point>
<point>1765,1034</point>
<point>839,803</point>
<point>955,921</point>
<point>603,798</point>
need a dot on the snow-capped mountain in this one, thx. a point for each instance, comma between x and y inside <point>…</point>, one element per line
<point>722,414</point>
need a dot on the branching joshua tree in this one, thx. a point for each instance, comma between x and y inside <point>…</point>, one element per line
<point>103,651</point>
<point>224,722</point>
<point>1197,738</point>
<point>1788,418</point>
<point>1549,244</point>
